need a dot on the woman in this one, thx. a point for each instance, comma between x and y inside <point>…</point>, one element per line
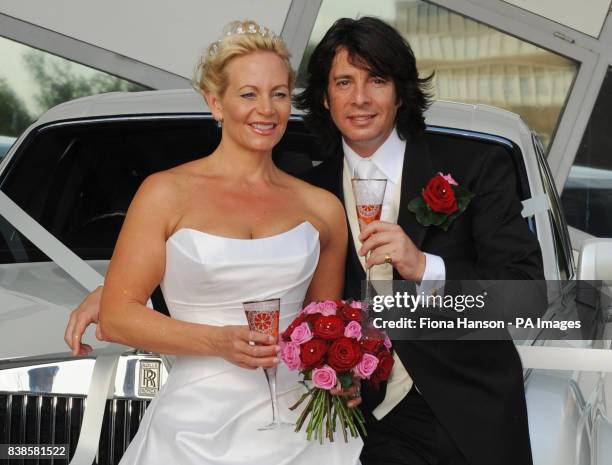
<point>216,232</point>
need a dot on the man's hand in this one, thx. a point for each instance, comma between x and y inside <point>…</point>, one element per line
<point>352,392</point>
<point>385,239</point>
<point>80,318</point>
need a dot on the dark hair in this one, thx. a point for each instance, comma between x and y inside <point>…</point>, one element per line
<point>373,44</point>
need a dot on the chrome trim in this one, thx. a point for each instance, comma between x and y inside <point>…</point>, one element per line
<point>38,421</point>
<point>53,419</point>
<point>127,415</point>
<point>68,420</point>
<point>72,377</point>
<point>472,134</point>
<point>111,443</point>
<point>9,409</point>
<point>22,420</point>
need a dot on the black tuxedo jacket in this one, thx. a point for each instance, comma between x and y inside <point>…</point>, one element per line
<point>474,388</point>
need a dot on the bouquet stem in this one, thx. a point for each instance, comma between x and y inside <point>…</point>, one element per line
<point>322,411</point>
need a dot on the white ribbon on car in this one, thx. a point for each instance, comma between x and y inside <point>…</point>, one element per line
<point>102,379</point>
<point>535,204</point>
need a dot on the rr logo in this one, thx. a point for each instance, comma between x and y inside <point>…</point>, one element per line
<point>149,376</point>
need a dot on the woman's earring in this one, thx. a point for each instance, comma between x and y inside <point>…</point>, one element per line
<point>220,122</point>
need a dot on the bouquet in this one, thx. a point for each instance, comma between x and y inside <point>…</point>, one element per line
<point>331,343</point>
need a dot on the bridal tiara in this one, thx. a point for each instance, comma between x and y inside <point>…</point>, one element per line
<point>242,28</point>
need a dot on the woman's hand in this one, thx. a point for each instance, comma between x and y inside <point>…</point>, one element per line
<point>232,343</point>
<point>80,318</point>
<point>353,392</point>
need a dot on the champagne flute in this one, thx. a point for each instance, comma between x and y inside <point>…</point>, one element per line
<point>263,317</point>
<point>369,195</point>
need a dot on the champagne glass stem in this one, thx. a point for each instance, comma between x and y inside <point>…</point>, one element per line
<point>271,378</point>
<point>367,289</point>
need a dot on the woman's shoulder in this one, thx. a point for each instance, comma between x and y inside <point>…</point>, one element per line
<point>316,197</point>
<point>323,208</point>
<point>161,193</point>
<point>164,184</point>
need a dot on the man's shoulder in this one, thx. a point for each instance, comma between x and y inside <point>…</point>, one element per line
<point>457,154</point>
<point>325,174</point>
<point>448,145</point>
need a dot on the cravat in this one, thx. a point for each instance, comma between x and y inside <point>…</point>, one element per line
<point>365,169</point>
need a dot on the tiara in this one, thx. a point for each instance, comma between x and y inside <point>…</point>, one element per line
<point>242,28</point>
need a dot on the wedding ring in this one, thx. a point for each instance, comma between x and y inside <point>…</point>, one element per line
<point>388,259</point>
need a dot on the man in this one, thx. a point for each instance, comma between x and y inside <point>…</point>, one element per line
<point>446,402</point>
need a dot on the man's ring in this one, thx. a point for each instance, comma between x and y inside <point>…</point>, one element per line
<point>388,259</point>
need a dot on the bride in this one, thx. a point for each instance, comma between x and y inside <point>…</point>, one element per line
<point>216,232</point>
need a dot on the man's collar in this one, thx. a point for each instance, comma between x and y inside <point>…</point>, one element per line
<point>389,158</point>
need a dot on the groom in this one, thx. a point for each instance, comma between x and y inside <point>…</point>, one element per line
<point>447,402</point>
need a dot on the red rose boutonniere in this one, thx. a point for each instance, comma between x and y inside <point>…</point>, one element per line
<point>441,202</point>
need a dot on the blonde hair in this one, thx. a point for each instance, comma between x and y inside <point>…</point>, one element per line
<point>239,38</point>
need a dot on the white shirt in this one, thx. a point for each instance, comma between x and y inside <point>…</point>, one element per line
<point>389,160</point>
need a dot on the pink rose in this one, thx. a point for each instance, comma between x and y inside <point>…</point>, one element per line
<point>356,304</point>
<point>353,329</point>
<point>366,366</point>
<point>327,308</point>
<point>290,354</point>
<point>387,342</point>
<point>324,377</point>
<point>311,308</point>
<point>301,334</point>
<point>448,178</point>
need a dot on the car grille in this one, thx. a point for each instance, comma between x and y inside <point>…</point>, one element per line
<point>41,419</point>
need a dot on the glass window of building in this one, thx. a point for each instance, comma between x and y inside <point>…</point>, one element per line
<point>587,195</point>
<point>473,63</point>
<point>32,81</point>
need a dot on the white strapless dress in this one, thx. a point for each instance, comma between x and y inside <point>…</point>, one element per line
<point>209,410</point>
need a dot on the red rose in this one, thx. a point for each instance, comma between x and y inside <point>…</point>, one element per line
<point>372,340</point>
<point>312,353</point>
<point>294,324</point>
<point>344,354</point>
<point>383,370</point>
<point>440,196</point>
<point>312,318</point>
<point>329,327</point>
<point>348,313</point>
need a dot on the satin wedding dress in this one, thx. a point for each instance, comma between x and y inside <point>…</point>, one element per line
<point>209,410</point>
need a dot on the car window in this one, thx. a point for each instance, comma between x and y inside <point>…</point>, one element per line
<point>77,179</point>
<point>587,194</point>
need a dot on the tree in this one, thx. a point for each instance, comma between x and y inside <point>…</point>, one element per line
<point>14,116</point>
<point>59,82</point>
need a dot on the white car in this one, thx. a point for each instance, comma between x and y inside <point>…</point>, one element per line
<point>65,187</point>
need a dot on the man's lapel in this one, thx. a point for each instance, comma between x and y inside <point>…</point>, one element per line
<point>417,172</point>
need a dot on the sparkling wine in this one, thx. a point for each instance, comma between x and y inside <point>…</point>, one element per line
<point>367,213</point>
<point>263,321</point>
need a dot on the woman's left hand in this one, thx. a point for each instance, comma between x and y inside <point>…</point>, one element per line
<point>353,392</point>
